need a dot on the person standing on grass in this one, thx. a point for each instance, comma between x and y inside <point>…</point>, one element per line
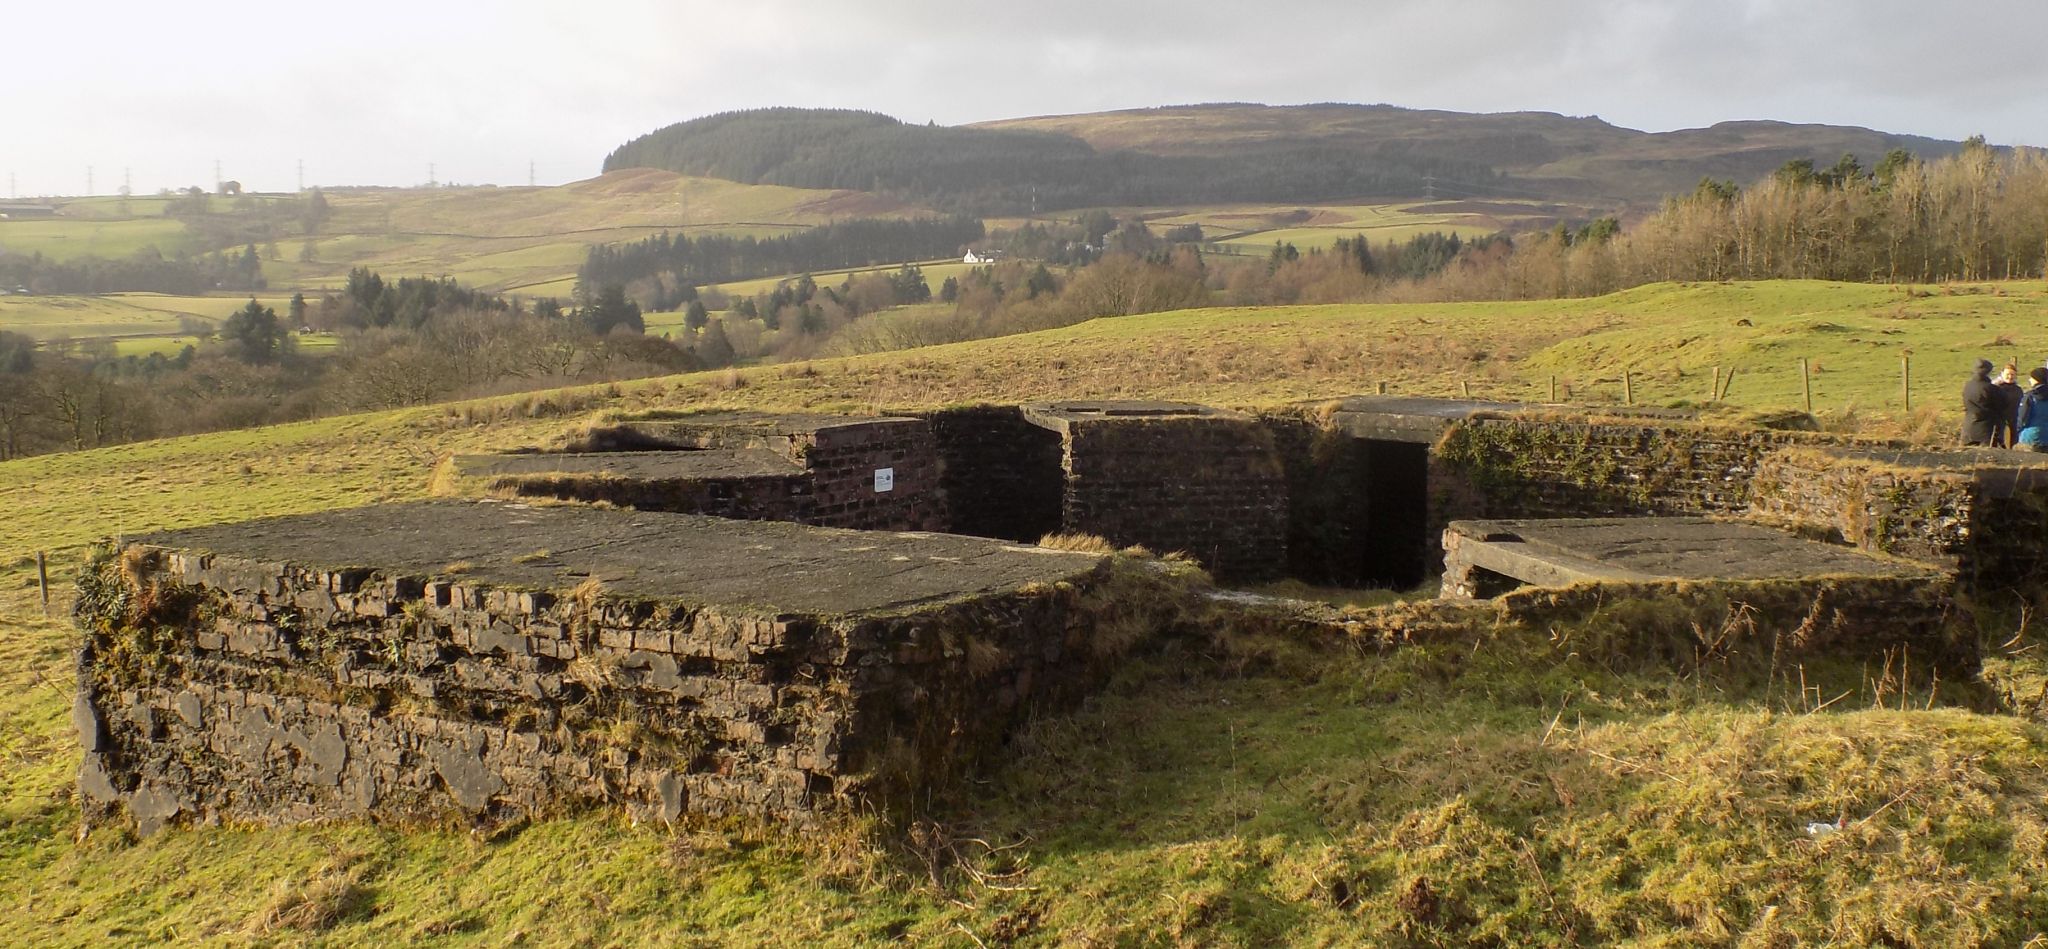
<point>1980,406</point>
<point>2009,394</point>
<point>2031,419</point>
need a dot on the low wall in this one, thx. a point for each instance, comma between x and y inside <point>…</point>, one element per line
<point>1983,514</point>
<point>1538,466</point>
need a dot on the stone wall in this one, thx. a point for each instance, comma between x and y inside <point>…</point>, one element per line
<point>1687,621</point>
<point>1212,487</point>
<point>213,687</point>
<point>1002,475</point>
<point>1982,514</point>
<point>1537,466</point>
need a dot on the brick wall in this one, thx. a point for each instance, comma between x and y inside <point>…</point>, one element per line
<point>1212,487</point>
<point>753,498</point>
<point>843,462</point>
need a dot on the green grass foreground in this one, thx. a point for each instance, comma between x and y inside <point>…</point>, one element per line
<point>1506,788</point>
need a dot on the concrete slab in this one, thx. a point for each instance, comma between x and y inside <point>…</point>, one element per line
<point>1062,416</point>
<point>786,433</point>
<point>1998,472</point>
<point>1571,550</point>
<point>775,566</point>
<point>1408,418</point>
<point>1423,420</point>
<point>638,465</point>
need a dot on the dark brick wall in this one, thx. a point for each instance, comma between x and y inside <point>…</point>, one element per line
<point>843,461</point>
<point>1210,487</point>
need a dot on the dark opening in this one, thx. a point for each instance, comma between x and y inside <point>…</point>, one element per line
<point>1395,544</point>
<point>1487,584</point>
<point>1004,477</point>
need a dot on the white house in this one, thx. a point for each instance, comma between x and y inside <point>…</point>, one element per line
<point>981,257</point>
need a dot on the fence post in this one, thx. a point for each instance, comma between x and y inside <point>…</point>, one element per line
<point>1806,384</point>
<point>1628,387</point>
<point>1727,382</point>
<point>1553,389</point>
<point>1464,390</point>
<point>43,580</point>
<point>1906,381</point>
<point>1714,389</point>
<point>1383,388</point>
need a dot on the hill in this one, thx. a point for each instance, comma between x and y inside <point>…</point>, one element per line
<point>1546,156</point>
<point>1487,789</point>
<point>1240,153</point>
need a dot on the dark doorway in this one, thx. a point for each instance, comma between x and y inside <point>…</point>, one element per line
<point>1396,536</point>
<point>1004,477</point>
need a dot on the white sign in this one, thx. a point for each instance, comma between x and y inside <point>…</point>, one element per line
<point>885,480</point>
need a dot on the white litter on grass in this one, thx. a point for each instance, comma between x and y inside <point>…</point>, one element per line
<point>1821,828</point>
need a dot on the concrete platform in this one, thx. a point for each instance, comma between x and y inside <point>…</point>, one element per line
<point>1483,559</point>
<point>791,434</point>
<point>773,566</point>
<point>636,465</point>
<point>492,660</point>
<point>1421,420</point>
<point>1064,416</point>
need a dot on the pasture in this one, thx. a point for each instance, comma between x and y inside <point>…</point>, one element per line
<point>1253,229</point>
<point>119,314</point>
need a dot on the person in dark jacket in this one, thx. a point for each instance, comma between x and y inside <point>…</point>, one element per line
<point>2009,392</point>
<point>1980,406</point>
<point>2031,419</point>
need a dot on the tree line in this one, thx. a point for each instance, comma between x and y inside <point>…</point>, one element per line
<point>663,269</point>
<point>145,271</point>
<point>434,340</point>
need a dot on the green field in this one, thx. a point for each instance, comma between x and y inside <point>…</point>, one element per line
<point>66,239</point>
<point>1253,229</point>
<point>1506,788</point>
<point>935,274</point>
<point>117,315</point>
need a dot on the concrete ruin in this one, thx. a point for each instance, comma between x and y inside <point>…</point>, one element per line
<point>792,654</point>
<point>493,659</point>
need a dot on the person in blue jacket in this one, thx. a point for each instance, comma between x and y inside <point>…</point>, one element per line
<point>2031,421</point>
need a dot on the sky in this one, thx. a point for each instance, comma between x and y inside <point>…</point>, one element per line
<point>389,93</point>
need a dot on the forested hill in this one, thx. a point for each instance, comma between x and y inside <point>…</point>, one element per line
<point>1239,152</point>
<point>1005,171</point>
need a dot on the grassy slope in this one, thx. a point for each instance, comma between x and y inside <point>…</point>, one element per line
<point>1539,798</point>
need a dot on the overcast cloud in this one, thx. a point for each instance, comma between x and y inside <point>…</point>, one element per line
<point>374,92</point>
